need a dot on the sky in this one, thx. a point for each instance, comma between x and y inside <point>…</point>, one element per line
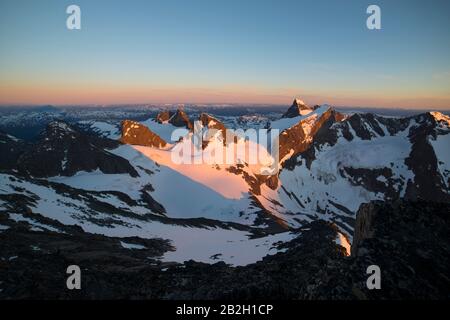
<point>226,51</point>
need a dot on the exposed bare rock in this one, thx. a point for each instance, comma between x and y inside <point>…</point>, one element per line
<point>409,241</point>
<point>295,140</point>
<point>178,118</point>
<point>428,183</point>
<point>138,134</point>
<point>63,150</point>
<point>163,116</point>
<point>298,108</point>
<point>10,149</point>
<point>213,126</point>
<point>181,119</point>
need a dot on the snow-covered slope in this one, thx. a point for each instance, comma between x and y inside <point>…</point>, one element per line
<point>164,130</point>
<point>184,191</point>
<point>199,240</point>
<point>101,128</point>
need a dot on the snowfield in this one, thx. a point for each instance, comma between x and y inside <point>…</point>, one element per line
<point>204,244</point>
<point>104,129</point>
<point>286,123</point>
<point>164,130</point>
<point>441,146</point>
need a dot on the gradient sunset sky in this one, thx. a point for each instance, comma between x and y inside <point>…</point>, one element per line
<point>226,51</point>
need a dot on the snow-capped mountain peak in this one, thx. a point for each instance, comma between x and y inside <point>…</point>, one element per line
<point>438,116</point>
<point>286,123</point>
<point>58,129</point>
<point>297,108</point>
<point>299,101</point>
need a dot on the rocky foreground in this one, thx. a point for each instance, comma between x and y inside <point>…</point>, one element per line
<point>409,241</point>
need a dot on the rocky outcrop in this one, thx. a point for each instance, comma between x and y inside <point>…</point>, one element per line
<point>10,149</point>
<point>138,134</point>
<point>299,137</point>
<point>428,183</point>
<point>376,180</point>
<point>181,119</point>
<point>63,150</point>
<point>409,241</point>
<point>210,122</point>
<point>178,118</point>
<point>213,127</point>
<point>163,117</point>
<point>298,108</point>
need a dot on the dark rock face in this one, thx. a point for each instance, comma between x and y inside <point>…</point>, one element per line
<point>41,260</point>
<point>163,116</point>
<point>181,119</point>
<point>409,241</point>
<point>322,133</point>
<point>62,150</point>
<point>367,126</point>
<point>296,109</point>
<point>178,118</point>
<point>10,149</point>
<point>295,141</point>
<point>428,183</point>
<point>212,123</point>
<point>213,126</point>
<point>138,134</point>
<point>370,180</point>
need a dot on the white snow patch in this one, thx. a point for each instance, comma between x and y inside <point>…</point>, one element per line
<point>231,246</point>
<point>62,125</point>
<point>64,161</point>
<point>13,138</point>
<point>382,179</point>
<point>286,123</point>
<point>36,226</point>
<point>164,130</point>
<point>104,129</point>
<point>441,146</point>
<point>132,246</point>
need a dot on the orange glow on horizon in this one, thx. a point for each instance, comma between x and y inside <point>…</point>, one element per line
<point>94,94</point>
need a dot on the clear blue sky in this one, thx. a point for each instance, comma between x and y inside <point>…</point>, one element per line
<point>226,51</point>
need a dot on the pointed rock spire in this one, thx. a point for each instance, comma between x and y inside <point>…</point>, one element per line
<point>298,108</point>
